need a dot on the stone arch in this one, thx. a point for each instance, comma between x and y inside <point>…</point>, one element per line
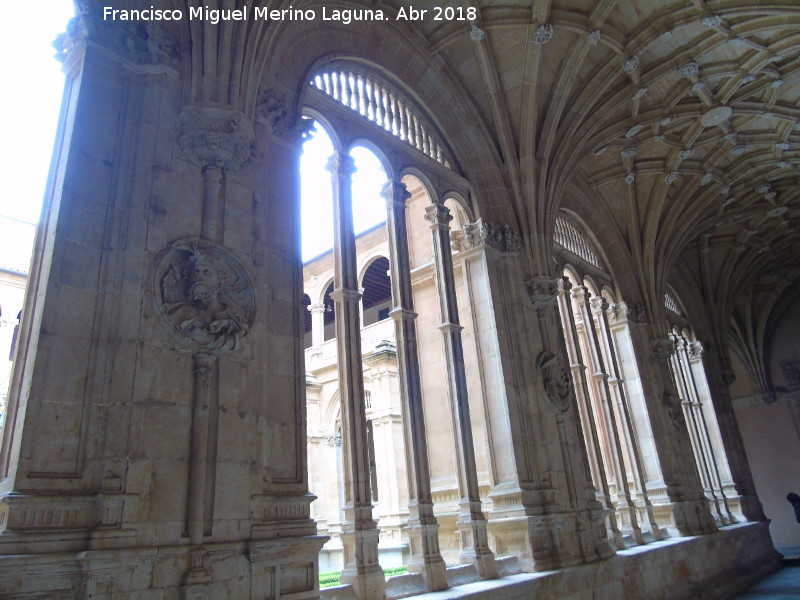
<point>377,293</point>
<point>322,120</point>
<point>294,61</point>
<point>380,154</point>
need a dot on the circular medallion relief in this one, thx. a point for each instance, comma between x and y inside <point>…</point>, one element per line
<point>204,294</point>
<point>555,380</point>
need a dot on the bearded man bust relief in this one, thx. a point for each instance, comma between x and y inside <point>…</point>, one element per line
<point>205,295</point>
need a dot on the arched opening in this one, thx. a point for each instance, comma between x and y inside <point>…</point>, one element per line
<point>376,298</point>
<point>329,314</point>
<point>307,321</point>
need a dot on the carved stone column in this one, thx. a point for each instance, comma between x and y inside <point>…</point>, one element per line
<point>359,529</point>
<point>705,451</point>
<point>588,417</point>
<point>601,343</point>
<point>317,324</point>
<point>719,381</point>
<point>159,425</point>
<point>625,421</point>
<point>422,526</point>
<point>219,139</point>
<point>472,523</point>
<point>688,509</point>
<point>576,532</point>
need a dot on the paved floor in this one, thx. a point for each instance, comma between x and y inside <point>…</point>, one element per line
<point>783,585</point>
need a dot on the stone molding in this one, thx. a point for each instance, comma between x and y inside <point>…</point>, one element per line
<point>214,136</point>
<point>204,294</point>
<point>20,513</point>
<point>265,508</point>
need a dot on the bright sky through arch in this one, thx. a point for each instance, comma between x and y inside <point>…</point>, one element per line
<point>29,118</point>
<point>369,207</point>
<point>29,115</point>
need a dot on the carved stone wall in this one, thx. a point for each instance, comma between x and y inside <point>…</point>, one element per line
<point>156,437</point>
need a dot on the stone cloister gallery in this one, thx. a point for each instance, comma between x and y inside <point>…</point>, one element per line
<point>532,381</point>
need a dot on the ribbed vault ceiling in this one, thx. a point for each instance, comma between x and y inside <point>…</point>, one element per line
<point>681,119</point>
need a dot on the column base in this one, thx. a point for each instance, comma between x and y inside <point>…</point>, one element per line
<point>690,517</point>
<point>749,507</point>
<point>475,547</point>
<point>425,558</point>
<point>553,541</point>
<point>361,568</point>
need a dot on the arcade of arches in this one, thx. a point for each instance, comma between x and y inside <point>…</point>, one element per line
<point>538,377</point>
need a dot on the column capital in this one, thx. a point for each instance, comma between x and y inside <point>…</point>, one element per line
<point>662,348</point>
<point>345,295</point>
<point>564,285</point>
<point>635,313</point>
<point>438,215</point>
<point>215,136</point>
<point>341,164</point>
<point>395,193</point>
<point>615,312</point>
<point>143,44</point>
<point>501,238</point>
<point>695,350</point>
<point>316,308</point>
<point>599,304</point>
<point>580,293</point>
<point>403,314</point>
<point>450,327</point>
<point>271,108</point>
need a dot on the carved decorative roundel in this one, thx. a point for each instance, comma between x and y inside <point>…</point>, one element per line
<point>555,380</point>
<point>675,413</point>
<point>204,294</point>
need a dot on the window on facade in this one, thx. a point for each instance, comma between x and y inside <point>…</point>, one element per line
<point>377,295</point>
<point>306,321</point>
<point>14,337</point>
<point>328,314</point>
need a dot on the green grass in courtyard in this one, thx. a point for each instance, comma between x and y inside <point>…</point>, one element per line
<point>331,578</point>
